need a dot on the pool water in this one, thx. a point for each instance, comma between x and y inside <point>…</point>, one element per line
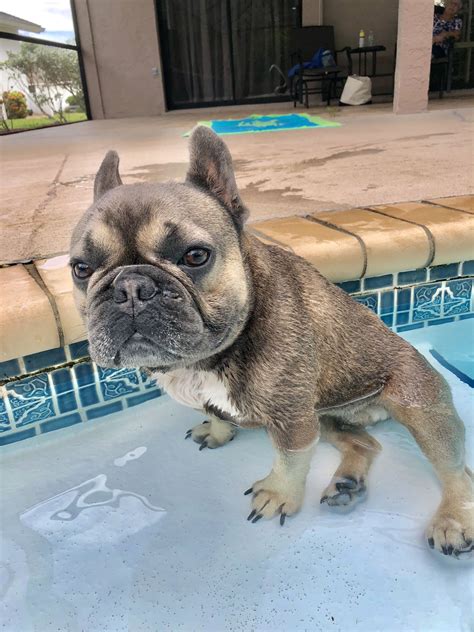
<point>122,525</point>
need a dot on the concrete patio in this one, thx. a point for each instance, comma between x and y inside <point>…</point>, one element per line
<point>375,157</point>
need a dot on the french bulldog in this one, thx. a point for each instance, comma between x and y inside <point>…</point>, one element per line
<point>167,279</point>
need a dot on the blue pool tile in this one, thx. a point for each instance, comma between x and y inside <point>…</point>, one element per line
<point>84,374</point>
<point>62,380</point>
<point>79,350</point>
<point>147,380</point>
<point>412,276</point>
<point>4,421</point>
<point>466,316</point>
<point>134,400</point>
<point>468,267</point>
<point>403,300</point>
<point>375,283</point>
<point>9,369</point>
<point>88,395</point>
<point>101,411</point>
<point>440,321</point>
<point>17,436</point>
<point>427,301</point>
<point>67,402</point>
<point>388,320</point>
<point>403,318</point>
<point>444,272</point>
<point>386,302</point>
<point>60,422</point>
<point>457,297</point>
<point>410,327</point>
<point>369,300</point>
<point>116,383</point>
<point>30,399</point>
<point>350,286</point>
<point>44,359</point>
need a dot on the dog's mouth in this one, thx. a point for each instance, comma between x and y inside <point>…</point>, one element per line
<point>139,345</point>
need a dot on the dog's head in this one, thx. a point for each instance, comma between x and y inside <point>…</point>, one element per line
<point>159,274</point>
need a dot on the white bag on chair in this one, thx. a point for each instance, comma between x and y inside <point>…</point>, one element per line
<point>357,90</point>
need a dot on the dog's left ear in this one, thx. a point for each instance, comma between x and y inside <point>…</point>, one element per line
<point>108,176</point>
<point>210,168</point>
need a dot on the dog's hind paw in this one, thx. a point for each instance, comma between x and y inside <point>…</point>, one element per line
<point>211,434</point>
<point>344,491</point>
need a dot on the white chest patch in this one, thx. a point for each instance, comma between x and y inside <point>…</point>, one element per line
<point>196,389</point>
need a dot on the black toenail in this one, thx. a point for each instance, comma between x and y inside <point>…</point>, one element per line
<point>450,549</point>
<point>205,421</point>
<point>248,491</point>
<point>431,543</point>
<point>251,514</point>
<point>203,445</point>
<point>349,482</point>
<point>323,500</point>
<point>444,548</point>
<point>257,518</point>
<point>282,518</point>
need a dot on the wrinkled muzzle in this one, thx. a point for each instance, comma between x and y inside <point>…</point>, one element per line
<point>142,315</point>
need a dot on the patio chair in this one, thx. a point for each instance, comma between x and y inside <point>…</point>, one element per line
<point>304,43</point>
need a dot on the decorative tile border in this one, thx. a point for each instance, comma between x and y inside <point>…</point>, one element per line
<point>68,395</point>
<point>63,387</point>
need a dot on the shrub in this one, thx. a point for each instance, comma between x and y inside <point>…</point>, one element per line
<point>76,102</point>
<point>15,104</point>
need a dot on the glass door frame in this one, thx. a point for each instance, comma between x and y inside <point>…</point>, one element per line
<point>166,66</point>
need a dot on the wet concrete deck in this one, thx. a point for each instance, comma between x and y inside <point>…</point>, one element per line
<point>375,157</point>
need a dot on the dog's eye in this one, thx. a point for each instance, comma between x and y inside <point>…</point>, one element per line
<point>82,270</point>
<point>195,257</point>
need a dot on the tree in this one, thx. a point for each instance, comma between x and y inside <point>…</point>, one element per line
<point>42,71</point>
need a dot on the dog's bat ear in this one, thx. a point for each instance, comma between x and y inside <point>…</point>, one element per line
<point>210,168</point>
<point>108,176</point>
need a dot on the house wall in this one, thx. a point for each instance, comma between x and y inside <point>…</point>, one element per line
<point>379,16</point>
<point>312,12</point>
<point>120,49</point>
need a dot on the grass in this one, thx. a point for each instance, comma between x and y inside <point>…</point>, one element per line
<point>32,122</point>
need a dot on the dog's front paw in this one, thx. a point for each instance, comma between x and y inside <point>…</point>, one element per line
<point>273,496</point>
<point>452,534</point>
<point>344,491</point>
<point>212,434</point>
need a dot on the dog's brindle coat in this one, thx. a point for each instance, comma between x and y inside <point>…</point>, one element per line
<point>255,336</point>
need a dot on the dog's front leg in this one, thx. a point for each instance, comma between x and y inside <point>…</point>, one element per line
<point>282,491</point>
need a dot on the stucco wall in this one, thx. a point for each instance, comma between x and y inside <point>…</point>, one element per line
<point>415,33</point>
<point>379,16</point>
<point>119,42</point>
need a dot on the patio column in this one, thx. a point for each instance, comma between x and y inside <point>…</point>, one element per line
<point>412,73</point>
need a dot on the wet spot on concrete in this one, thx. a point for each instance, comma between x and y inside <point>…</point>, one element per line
<point>318,162</point>
<point>159,172</point>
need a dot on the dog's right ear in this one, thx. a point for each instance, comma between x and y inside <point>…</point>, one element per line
<point>108,176</point>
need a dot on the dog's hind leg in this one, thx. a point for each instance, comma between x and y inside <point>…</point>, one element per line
<point>420,399</point>
<point>358,449</point>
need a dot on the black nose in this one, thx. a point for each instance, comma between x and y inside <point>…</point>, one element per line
<point>133,290</point>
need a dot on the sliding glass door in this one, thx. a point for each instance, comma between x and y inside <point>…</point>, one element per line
<point>220,51</point>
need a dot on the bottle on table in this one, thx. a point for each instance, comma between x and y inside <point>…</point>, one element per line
<point>361,38</point>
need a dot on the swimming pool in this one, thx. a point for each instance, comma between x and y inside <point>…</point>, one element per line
<point>122,525</point>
